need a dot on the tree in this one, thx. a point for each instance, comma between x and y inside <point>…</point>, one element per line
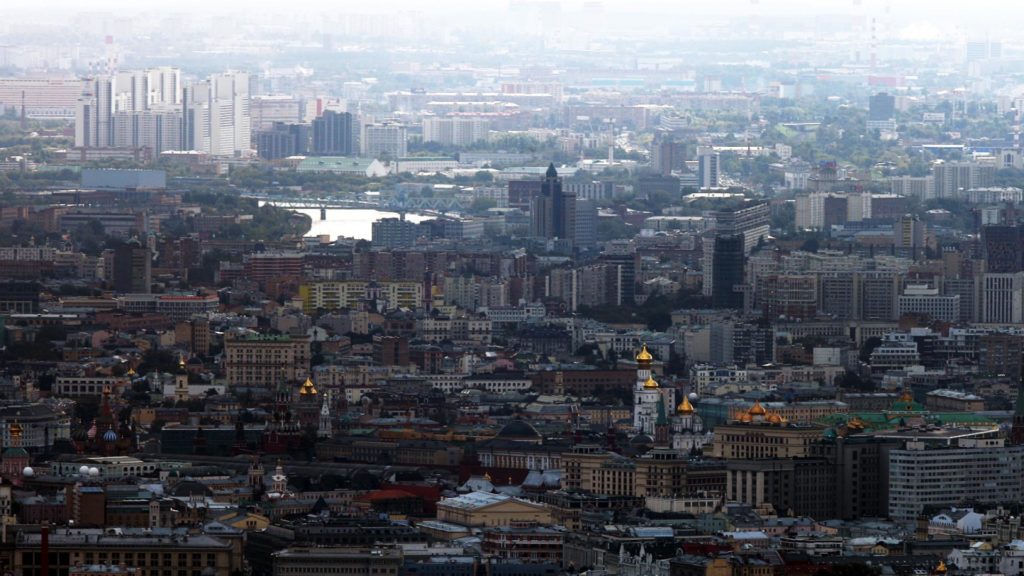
<point>868,347</point>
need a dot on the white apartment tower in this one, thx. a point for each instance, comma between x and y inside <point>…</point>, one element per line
<point>384,138</point>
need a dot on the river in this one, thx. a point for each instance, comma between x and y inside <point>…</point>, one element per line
<point>351,222</point>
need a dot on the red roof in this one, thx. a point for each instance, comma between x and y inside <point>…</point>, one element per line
<point>391,494</point>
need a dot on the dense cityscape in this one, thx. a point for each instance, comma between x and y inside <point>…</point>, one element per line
<point>524,288</point>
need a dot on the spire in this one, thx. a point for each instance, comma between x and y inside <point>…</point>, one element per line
<point>551,173</point>
<point>662,417</point>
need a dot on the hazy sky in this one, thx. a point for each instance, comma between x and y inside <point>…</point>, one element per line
<point>929,19</point>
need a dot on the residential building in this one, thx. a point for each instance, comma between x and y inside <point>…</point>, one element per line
<point>333,134</point>
<point>265,361</point>
<point>384,139</point>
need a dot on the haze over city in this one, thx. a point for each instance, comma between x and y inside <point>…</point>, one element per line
<point>511,288</point>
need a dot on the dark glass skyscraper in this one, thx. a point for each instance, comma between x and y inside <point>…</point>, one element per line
<point>727,271</point>
<point>553,211</point>
<point>333,134</point>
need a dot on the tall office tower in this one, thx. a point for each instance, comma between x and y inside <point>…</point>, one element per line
<point>586,224</point>
<point>881,106</point>
<point>750,221</point>
<point>132,268</point>
<point>333,134</point>
<point>1002,298</point>
<point>727,271</point>
<point>707,168</point>
<point>553,211</point>
<point>282,140</point>
<point>386,138</point>
<point>669,156</point>
<point>1002,249</point>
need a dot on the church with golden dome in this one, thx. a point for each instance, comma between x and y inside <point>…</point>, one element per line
<point>646,395</point>
<point>688,433</point>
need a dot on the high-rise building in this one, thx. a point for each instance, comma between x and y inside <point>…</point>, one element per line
<point>727,271</point>
<point>908,236</point>
<point>128,109</point>
<point>1002,298</point>
<point>132,268</point>
<point>394,233</point>
<point>333,134</point>
<point>953,177</point>
<point>455,131</point>
<point>384,139</point>
<point>708,168</point>
<point>881,106</point>
<point>553,211</point>
<point>669,156</point>
<point>282,140</point>
<point>1002,249</point>
<point>586,224</point>
<point>216,115</point>
<point>750,221</point>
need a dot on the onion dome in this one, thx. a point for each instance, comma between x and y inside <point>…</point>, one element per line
<point>746,418</point>
<point>131,373</point>
<point>644,355</point>
<point>757,409</point>
<point>685,408</point>
<point>110,436</point>
<point>92,431</point>
<point>907,396</point>
<point>651,384</point>
<point>307,388</point>
<point>774,418</point>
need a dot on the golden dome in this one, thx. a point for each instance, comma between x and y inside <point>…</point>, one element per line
<point>181,361</point>
<point>856,422</point>
<point>131,372</point>
<point>941,568</point>
<point>775,418</point>
<point>644,355</point>
<point>685,407</point>
<point>907,396</point>
<point>15,430</point>
<point>757,409</point>
<point>650,384</point>
<point>487,476</point>
<point>746,417</point>
<point>308,388</point>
